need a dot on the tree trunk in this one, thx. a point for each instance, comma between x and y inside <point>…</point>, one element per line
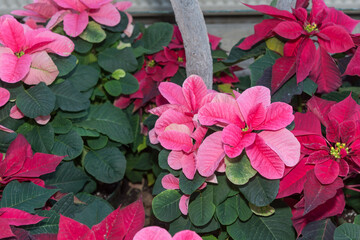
<point>286,4</point>
<point>190,20</point>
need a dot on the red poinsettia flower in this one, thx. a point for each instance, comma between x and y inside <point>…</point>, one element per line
<point>20,163</point>
<point>328,27</point>
<point>171,60</point>
<point>325,160</point>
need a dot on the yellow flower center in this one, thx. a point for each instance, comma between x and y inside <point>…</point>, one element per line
<point>311,27</point>
<point>19,54</point>
<point>336,151</point>
<point>151,63</point>
<point>245,129</point>
<point>180,59</point>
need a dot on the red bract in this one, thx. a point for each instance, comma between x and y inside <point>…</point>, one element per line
<point>20,163</point>
<point>24,54</point>
<point>243,119</point>
<point>325,160</point>
<point>15,217</point>
<point>171,60</point>
<point>328,27</point>
<point>120,224</point>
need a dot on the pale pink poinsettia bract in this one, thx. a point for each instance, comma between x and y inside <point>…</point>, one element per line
<point>253,123</point>
<point>24,52</point>
<point>156,233</point>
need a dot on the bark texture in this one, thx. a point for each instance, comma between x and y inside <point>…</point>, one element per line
<point>190,20</point>
<point>286,4</point>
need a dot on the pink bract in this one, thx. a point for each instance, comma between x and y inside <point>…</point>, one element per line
<point>155,233</point>
<point>269,150</point>
<point>24,55</point>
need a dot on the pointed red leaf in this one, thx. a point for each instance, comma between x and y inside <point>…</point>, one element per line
<point>12,68</point>
<point>318,157</point>
<point>173,93</point>
<point>75,23</point>
<point>220,114</point>
<point>305,59</point>
<point>340,39</point>
<point>316,194</point>
<point>340,18</point>
<point>18,217</point>
<point>294,181</point>
<point>325,72</point>
<point>46,236</point>
<point>306,123</point>
<point>194,90</point>
<point>107,15</point>
<point>71,229</point>
<point>121,223</point>
<point>12,34</point>
<point>289,29</point>
<point>278,116</point>
<point>320,108</point>
<point>272,11</point>
<point>236,140</point>
<point>5,230</point>
<point>347,109</point>
<point>283,69</point>
<point>326,172</point>
<point>353,67</point>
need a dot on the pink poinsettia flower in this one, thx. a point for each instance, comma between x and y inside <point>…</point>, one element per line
<point>253,123</point>
<point>75,15</point>
<point>24,52</point>
<point>155,233</point>
<point>329,28</point>
<point>325,160</point>
<point>169,181</point>
<point>39,11</point>
<point>21,164</point>
<point>176,128</point>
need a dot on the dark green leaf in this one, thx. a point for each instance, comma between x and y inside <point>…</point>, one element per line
<point>121,26</point>
<point>188,186</point>
<point>5,118</point>
<point>69,145</point>
<point>69,98</point>
<point>202,208</point>
<point>226,212</point>
<point>67,178</point>
<point>347,231</point>
<point>112,59</point>
<point>5,140</point>
<point>129,84</point>
<point>98,143</point>
<point>260,191</point>
<point>49,225</point>
<point>36,101</point>
<point>66,206</point>
<point>106,165</point>
<point>113,88</point>
<point>82,46</point>
<point>243,210</point>
<point>309,86</point>
<point>64,64</point>
<point>25,196</point>
<point>157,36</point>
<point>41,138</point>
<point>84,77</point>
<point>61,125</point>
<point>258,67</point>
<point>110,121</point>
<point>237,54</point>
<point>166,205</point>
<point>221,189</point>
<point>158,188</point>
<point>319,230</point>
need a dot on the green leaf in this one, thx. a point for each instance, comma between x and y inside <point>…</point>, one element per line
<point>86,132</point>
<point>226,212</point>
<point>84,77</point>
<point>219,66</point>
<point>202,208</point>
<point>61,125</point>
<point>121,26</point>
<point>287,91</point>
<point>98,143</point>
<point>64,64</point>
<point>82,46</point>
<point>49,225</point>
<point>239,170</point>
<point>113,88</point>
<point>166,205</point>
<point>94,212</point>
<point>117,74</point>
<point>347,231</point>
<point>309,86</point>
<point>109,120</point>
<point>221,189</point>
<point>260,191</point>
<point>25,196</point>
<point>157,36</point>
<point>275,227</point>
<point>106,165</point>
<point>258,67</point>
<point>211,237</point>
<point>5,140</point>
<point>69,98</point>
<point>67,178</point>
<point>66,206</point>
<point>237,54</point>
<point>112,59</point>
<point>188,186</point>
<point>41,138</point>
<point>262,211</point>
<point>322,230</point>
<point>93,33</point>
<point>69,145</point>
<point>36,101</point>
<point>243,210</point>
<point>129,84</point>
<point>357,220</point>
<point>158,188</point>
<point>5,118</point>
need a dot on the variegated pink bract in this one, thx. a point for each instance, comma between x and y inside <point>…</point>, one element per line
<point>24,52</point>
<point>253,123</point>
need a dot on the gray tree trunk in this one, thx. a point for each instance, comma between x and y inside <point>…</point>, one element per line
<point>190,20</point>
<point>286,4</point>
